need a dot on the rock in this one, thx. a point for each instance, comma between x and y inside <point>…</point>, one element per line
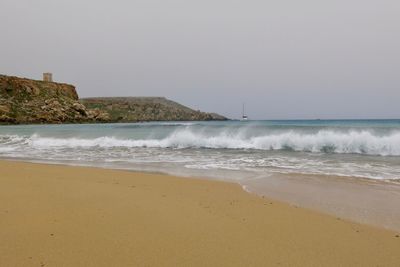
<point>55,103</point>
<point>98,115</point>
<point>28,89</point>
<point>30,101</point>
<point>38,102</point>
<point>93,113</point>
<point>4,109</point>
<point>80,108</point>
<point>103,117</point>
<point>36,91</point>
<point>7,119</point>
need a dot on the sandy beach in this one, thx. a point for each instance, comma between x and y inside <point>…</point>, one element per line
<point>54,215</point>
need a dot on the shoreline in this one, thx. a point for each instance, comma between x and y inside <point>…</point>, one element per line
<point>367,201</point>
<point>85,216</point>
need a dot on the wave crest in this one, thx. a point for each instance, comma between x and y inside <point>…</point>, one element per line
<point>326,141</point>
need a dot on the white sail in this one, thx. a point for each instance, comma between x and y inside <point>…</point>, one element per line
<point>244,116</point>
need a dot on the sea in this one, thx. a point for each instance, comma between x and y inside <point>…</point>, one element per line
<point>356,148</point>
<point>270,152</point>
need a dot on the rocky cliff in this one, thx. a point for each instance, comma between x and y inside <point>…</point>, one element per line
<point>30,101</point>
<point>133,109</point>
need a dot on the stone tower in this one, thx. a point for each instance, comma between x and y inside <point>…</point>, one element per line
<point>47,77</point>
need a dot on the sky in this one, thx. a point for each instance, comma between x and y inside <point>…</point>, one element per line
<point>285,59</point>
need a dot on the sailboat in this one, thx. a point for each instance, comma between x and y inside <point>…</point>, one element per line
<point>244,117</point>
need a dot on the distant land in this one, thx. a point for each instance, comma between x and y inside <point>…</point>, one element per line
<point>27,101</point>
<point>131,109</point>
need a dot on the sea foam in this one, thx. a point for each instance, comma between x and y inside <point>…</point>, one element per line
<point>325,141</point>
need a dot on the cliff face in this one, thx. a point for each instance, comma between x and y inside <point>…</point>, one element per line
<point>133,109</point>
<point>30,101</point>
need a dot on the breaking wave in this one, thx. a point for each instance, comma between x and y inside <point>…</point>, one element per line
<point>325,141</point>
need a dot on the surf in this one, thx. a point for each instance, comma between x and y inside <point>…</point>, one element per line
<point>362,142</point>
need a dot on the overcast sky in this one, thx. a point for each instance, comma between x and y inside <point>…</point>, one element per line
<point>285,59</point>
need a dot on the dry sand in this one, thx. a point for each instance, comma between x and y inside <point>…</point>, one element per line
<point>74,216</point>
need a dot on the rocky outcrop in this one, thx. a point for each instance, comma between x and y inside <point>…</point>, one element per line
<point>30,101</point>
<point>134,109</point>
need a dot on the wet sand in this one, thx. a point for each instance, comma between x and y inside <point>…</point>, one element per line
<point>74,216</point>
<point>368,201</point>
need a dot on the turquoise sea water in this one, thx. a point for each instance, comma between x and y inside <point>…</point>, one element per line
<point>358,148</point>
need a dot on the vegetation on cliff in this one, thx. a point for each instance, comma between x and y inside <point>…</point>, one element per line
<point>133,109</point>
<point>31,101</point>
